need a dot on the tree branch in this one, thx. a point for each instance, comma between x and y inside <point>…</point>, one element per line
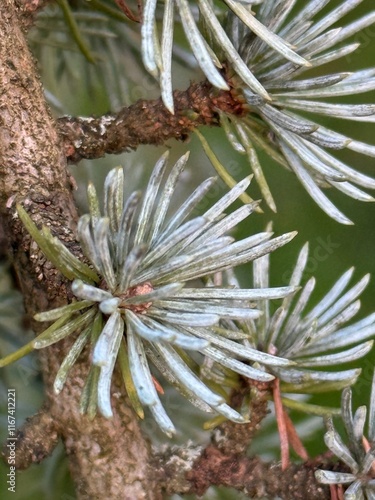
<point>146,122</point>
<point>106,456</point>
<point>230,437</point>
<point>224,462</point>
<point>189,470</point>
<point>254,477</point>
<point>36,440</point>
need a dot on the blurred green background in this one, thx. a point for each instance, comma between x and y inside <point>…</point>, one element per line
<point>76,87</point>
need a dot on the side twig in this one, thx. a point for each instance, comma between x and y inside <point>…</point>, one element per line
<point>180,471</point>
<point>36,440</point>
<point>146,122</point>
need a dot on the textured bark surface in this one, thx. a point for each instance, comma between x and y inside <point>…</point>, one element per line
<point>231,438</point>
<point>28,10</point>
<point>106,456</point>
<point>146,122</point>
<point>191,470</point>
<point>255,478</point>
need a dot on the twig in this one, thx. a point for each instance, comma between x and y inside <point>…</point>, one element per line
<point>35,441</point>
<point>146,122</point>
<point>182,473</point>
<point>234,438</point>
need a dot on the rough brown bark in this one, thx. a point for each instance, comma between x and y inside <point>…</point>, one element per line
<point>147,122</point>
<point>106,456</point>
<point>255,478</point>
<point>191,470</point>
<point>231,438</point>
<point>35,446</point>
<point>28,10</point>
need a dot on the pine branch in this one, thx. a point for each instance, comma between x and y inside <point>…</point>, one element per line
<point>146,122</point>
<point>33,170</point>
<point>255,478</point>
<point>36,440</point>
<point>231,438</point>
<point>182,472</point>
